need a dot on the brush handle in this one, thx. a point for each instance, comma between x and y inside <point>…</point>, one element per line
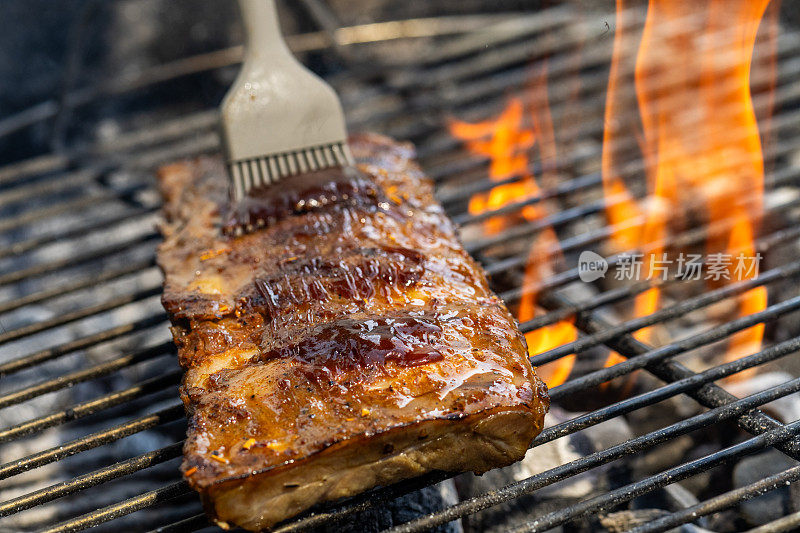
<point>276,105</point>
<point>262,30</point>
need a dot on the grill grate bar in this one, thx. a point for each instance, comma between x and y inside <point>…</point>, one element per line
<point>79,259</point>
<point>66,318</point>
<point>75,182</point>
<point>566,188</point>
<point>192,523</point>
<point>136,267</point>
<point>610,297</point>
<point>439,143</point>
<point>156,384</point>
<point>673,475</point>
<point>687,239</point>
<point>660,354</point>
<point>48,354</point>
<point>576,214</point>
<point>148,499</point>
<point>37,165</point>
<point>721,502</point>
<point>553,220</point>
<point>21,247</point>
<point>475,166</point>
<point>570,244</point>
<point>664,314</point>
<point>361,502</point>
<point>91,441</point>
<point>711,395</point>
<point>86,374</point>
<point>662,393</point>
<point>103,475</point>
<point>573,468</point>
<point>85,202</point>
<point>465,191</point>
<point>167,131</point>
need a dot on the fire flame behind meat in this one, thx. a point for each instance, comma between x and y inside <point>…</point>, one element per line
<point>700,140</point>
<point>700,144</point>
<point>508,142</point>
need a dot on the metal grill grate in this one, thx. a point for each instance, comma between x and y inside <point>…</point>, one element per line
<point>78,228</point>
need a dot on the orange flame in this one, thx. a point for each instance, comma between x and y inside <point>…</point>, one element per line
<point>700,138</point>
<point>539,266</point>
<point>702,151</point>
<point>507,141</point>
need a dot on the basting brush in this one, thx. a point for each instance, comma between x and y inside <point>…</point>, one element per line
<point>278,119</point>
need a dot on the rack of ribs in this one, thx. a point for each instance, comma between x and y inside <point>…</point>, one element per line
<point>344,341</point>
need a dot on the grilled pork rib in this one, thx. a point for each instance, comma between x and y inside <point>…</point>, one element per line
<point>348,343</point>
